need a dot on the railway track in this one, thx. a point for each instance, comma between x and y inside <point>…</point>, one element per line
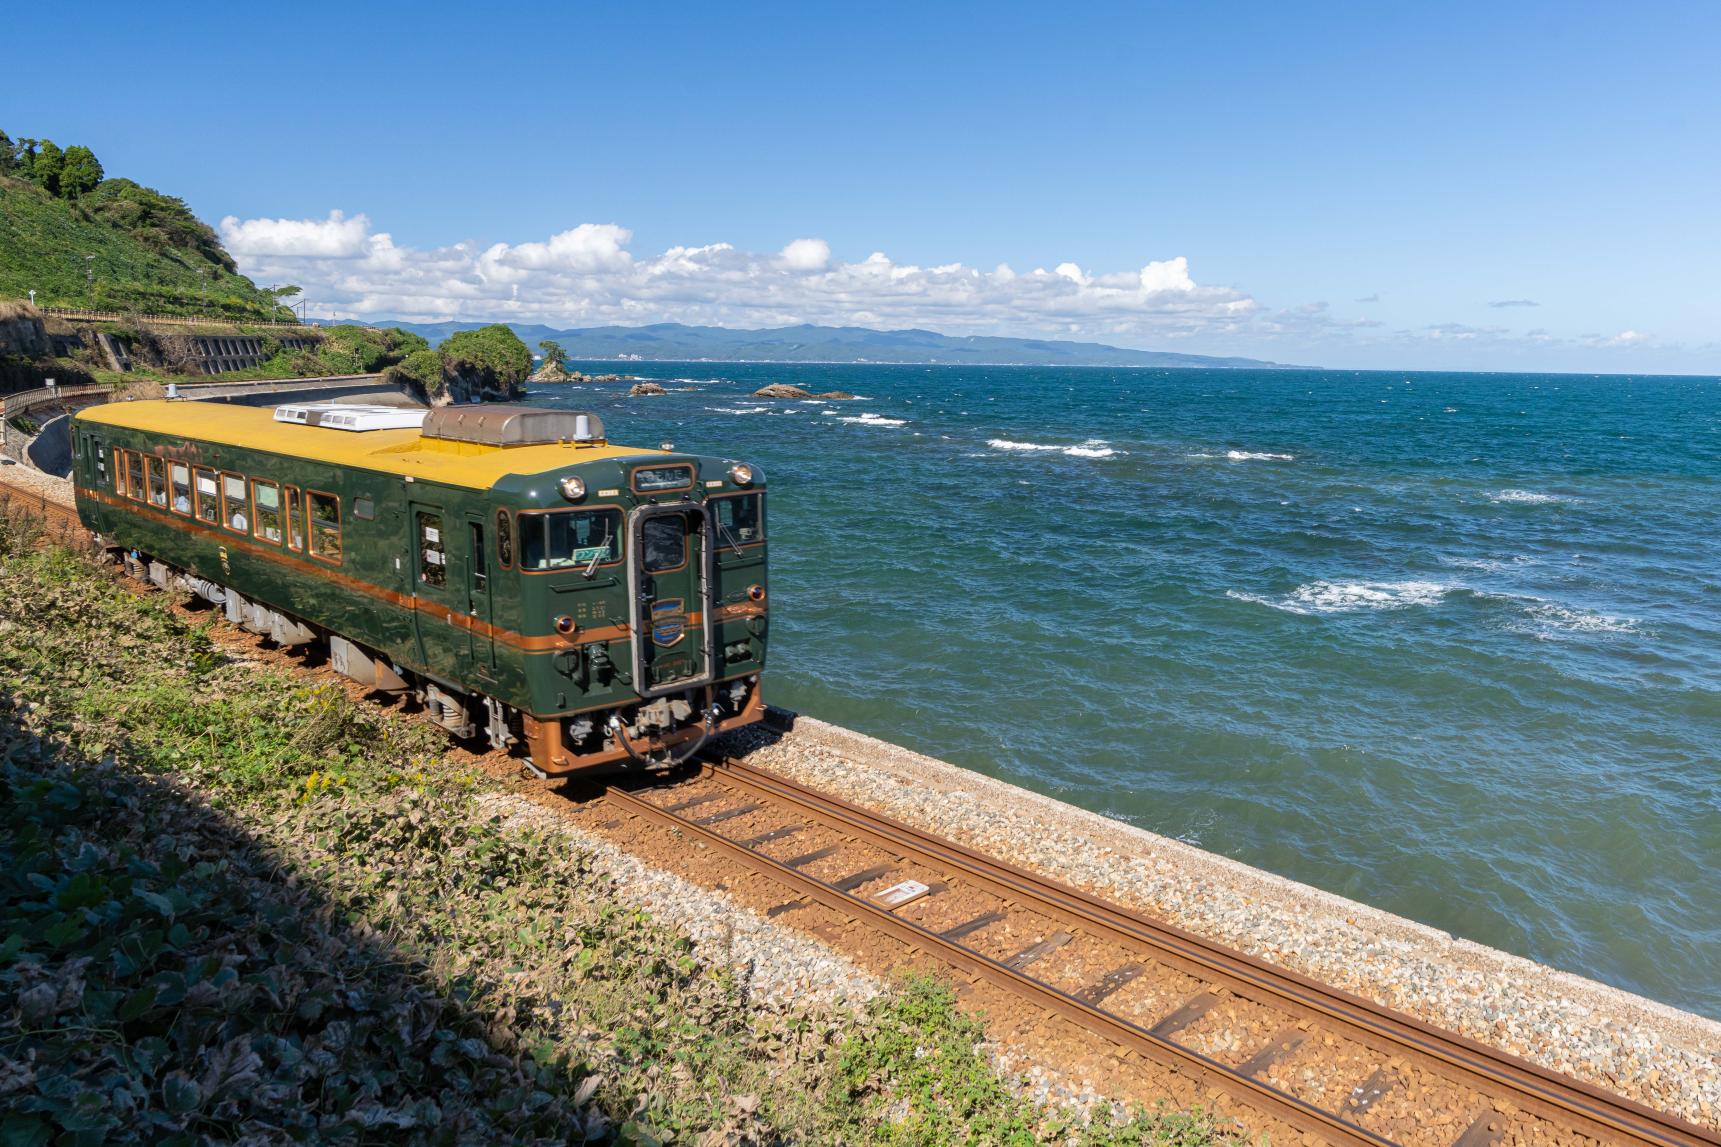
<point>1329,1064</point>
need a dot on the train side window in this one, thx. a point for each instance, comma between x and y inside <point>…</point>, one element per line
<point>266,498</point>
<point>101,462</point>
<point>119,471</point>
<point>134,475</point>
<point>207,494</point>
<point>324,514</point>
<point>234,505</point>
<point>432,551</point>
<point>480,558</point>
<point>504,539</point>
<point>179,483</point>
<point>295,520</point>
<point>157,482</point>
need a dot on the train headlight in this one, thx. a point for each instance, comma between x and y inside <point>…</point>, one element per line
<point>566,625</point>
<point>741,474</point>
<point>573,489</point>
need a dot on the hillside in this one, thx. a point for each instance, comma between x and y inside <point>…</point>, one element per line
<point>809,343</point>
<point>150,253</point>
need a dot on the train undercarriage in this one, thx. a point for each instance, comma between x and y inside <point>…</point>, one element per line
<point>655,733</point>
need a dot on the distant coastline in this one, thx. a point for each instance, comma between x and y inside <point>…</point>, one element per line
<point>808,344</point>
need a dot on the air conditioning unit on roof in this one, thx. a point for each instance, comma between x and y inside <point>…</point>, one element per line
<point>350,416</point>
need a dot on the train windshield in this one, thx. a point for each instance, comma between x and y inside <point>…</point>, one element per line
<point>563,539</point>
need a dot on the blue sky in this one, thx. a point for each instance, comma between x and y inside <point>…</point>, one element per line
<point>1345,185</point>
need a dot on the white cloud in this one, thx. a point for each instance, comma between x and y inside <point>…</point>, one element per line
<point>336,237</point>
<point>806,255</point>
<point>586,275</point>
<point>1171,275</point>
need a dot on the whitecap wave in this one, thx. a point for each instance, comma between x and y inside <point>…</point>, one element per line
<point>871,419</point>
<point>1551,619</point>
<point>1092,448</point>
<point>1529,498</point>
<point>1246,456</point>
<point>1351,596</point>
<point>739,409</point>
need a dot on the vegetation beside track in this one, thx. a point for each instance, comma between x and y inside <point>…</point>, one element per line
<point>238,904</point>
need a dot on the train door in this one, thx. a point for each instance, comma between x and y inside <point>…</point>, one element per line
<point>478,573</point>
<point>671,620</point>
<point>438,598</point>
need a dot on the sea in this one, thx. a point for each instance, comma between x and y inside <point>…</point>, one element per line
<point>1447,644</point>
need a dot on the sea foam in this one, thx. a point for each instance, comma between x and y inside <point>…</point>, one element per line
<point>1529,498</point>
<point>871,419</point>
<point>1092,448</point>
<point>1351,596</point>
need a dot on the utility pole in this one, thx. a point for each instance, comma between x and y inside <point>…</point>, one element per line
<point>90,281</point>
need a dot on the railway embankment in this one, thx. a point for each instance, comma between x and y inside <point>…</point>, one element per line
<point>243,903</point>
<point>1661,1056</point>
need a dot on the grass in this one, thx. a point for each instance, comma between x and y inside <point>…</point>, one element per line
<point>44,241</point>
<point>238,905</point>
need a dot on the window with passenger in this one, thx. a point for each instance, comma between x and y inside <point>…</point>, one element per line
<point>563,539</point>
<point>157,483</point>
<point>179,480</point>
<point>233,503</point>
<point>267,496</point>
<point>208,496</point>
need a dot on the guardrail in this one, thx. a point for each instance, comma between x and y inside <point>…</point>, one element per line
<point>63,399</point>
<point>171,320</point>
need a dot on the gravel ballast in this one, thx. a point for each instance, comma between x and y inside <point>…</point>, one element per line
<point>1648,1051</point>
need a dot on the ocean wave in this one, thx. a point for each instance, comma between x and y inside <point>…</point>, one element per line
<point>1529,498</point>
<point>1550,619</point>
<point>1092,448</point>
<point>739,409</point>
<point>1247,456</point>
<point>1351,596</point>
<point>871,419</point>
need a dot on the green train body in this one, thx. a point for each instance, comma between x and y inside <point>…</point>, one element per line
<point>522,577</point>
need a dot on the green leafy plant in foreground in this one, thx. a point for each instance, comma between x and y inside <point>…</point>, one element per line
<point>239,906</point>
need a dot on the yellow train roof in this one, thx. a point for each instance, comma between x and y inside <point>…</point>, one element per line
<point>407,452</point>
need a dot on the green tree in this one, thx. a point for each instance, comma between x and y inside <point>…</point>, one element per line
<point>8,154</point>
<point>491,358</point>
<point>553,352</point>
<point>80,172</point>
<point>46,161</point>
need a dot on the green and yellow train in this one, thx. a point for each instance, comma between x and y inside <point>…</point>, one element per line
<point>510,569</point>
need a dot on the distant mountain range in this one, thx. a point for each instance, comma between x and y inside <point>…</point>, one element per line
<point>808,343</point>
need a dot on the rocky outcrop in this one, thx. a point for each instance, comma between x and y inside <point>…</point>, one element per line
<point>641,389</point>
<point>784,390</point>
<point>21,332</point>
<point>552,372</point>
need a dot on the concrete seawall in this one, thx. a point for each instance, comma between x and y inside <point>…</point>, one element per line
<point>50,449</point>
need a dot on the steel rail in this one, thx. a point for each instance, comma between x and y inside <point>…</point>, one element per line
<point>1560,1099</point>
<point>1259,1096</point>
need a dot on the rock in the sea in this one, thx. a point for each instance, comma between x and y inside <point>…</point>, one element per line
<point>836,396</point>
<point>643,388</point>
<point>781,390</point>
